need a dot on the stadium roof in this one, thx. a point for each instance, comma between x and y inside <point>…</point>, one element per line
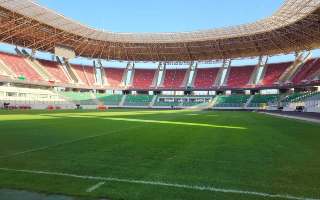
<point>294,27</point>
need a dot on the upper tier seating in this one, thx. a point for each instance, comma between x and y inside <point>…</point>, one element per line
<point>263,100</point>
<point>114,76</point>
<point>231,101</point>
<point>307,70</point>
<point>174,78</point>
<point>90,74</point>
<point>20,67</point>
<point>205,78</point>
<point>143,78</point>
<point>55,70</point>
<point>138,100</point>
<point>85,74</point>
<point>273,73</point>
<point>239,76</point>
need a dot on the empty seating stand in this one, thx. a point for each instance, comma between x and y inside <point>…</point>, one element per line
<point>239,77</point>
<point>273,73</point>
<point>307,70</point>
<point>55,70</point>
<point>231,101</point>
<point>110,100</point>
<point>174,79</point>
<point>205,78</point>
<point>298,97</point>
<point>82,98</point>
<point>138,100</point>
<point>114,77</point>
<point>81,73</point>
<point>20,67</point>
<point>263,100</point>
<point>90,74</point>
<point>143,79</point>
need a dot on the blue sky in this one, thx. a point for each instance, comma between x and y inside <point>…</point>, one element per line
<point>163,16</point>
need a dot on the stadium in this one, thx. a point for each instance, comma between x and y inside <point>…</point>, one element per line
<point>221,113</point>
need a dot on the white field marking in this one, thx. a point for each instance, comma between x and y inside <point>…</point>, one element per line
<point>65,143</point>
<point>94,187</point>
<point>192,114</point>
<point>162,184</point>
<point>176,123</point>
<point>292,117</point>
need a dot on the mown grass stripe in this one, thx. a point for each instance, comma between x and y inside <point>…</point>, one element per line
<point>67,142</point>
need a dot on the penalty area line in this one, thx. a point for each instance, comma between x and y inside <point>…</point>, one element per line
<point>94,187</point>
<point>159,183</point>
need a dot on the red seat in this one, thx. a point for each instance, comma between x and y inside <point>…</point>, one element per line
<point>85,73</point>
<point>205,78</point>
<point>239,77</point>
<point>143,78</point>
<point>174,79</point>
<point>55,70</point>
<point>114,76</point>
<point>90,74</point>
<point>20,67</point>
<point>273,73</point>
<point>307,70</point>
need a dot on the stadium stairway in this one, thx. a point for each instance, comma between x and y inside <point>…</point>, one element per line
<point>123,99</point>
<point>39,68</point>
<point>153,100</point>
<point>70,72</point>
<point>5,70</point>
<point>246,105</point>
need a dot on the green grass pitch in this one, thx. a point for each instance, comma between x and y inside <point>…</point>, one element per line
<point>171,155</point>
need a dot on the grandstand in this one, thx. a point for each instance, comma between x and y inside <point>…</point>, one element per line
<point>170,119</point>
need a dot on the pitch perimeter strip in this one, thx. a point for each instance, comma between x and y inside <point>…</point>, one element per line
<point>159,183</point>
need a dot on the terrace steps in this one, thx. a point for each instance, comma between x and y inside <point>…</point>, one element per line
<point>39,69</point>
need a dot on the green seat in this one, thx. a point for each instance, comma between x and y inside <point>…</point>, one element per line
<point>232,101</point>
<point>138,100</point>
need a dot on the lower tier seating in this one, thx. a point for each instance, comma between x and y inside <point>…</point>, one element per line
<point>138,100</point>
<point>299,96</point>
<point>232,101</point>
<point>110,100</point>
<point>185,101</point>
<point>167,104</point>
<point>77,96</point>
<point>263,100</point>
<point>82,98</point>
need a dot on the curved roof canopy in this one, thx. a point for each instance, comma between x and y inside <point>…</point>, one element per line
<point>294,27</point>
